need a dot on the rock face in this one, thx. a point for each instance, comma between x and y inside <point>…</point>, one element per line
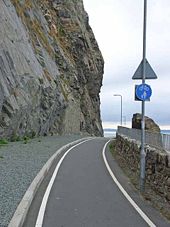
<point>150,125</point>
<point>51,69</point>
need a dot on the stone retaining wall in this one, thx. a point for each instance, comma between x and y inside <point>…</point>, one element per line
<point>157,164</point>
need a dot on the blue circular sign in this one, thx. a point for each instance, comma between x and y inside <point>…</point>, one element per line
<point>143,92</point>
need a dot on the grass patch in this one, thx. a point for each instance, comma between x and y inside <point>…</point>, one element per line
<point>3,142</point>
<point>1,157</point>
<point>112,147</point>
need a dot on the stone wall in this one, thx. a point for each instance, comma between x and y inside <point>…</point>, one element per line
<point>157,164</point>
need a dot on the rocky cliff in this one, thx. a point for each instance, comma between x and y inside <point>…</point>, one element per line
<point>51,69</point>
<point>150,125</point>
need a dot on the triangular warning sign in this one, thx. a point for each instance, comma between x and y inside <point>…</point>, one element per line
<point>149,73</point>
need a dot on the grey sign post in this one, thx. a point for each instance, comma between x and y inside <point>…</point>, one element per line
<point>143,153</point>
<point>144,71</point>
<point>121,115</point>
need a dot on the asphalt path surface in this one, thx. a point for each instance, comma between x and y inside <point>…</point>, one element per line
<point>85,195</point>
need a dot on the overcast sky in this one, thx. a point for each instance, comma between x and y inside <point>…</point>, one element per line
<point>118,28</point>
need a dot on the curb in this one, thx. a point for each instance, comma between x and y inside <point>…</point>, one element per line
<point>23,207</point>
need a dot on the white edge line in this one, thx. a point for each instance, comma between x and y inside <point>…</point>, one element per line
<point>142,214</point>
<point>24,205</point>
<point>41,213</point>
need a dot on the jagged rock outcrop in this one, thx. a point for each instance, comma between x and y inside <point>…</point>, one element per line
<point>150,125</point>
<point>51,69</point>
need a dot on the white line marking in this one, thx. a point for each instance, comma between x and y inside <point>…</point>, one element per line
<point>142,214</point>
<point>41,213</point>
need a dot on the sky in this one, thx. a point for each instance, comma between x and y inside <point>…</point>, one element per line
<point>118,28</point>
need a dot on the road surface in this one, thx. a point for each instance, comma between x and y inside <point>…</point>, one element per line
<point>84,194</point>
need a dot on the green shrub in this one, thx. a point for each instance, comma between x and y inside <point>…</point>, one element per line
<point>33,134</point>
<point>18,138</point>
<point>15,138</point>
<point>3,142</point>
<point>26,139</point>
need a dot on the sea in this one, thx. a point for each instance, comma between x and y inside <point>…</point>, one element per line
<point>167,132</point>
<point>111,133</point>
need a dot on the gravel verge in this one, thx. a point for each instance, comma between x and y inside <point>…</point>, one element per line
<point>19,164</point>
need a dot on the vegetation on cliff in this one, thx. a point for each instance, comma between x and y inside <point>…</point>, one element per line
<point>51,69</point>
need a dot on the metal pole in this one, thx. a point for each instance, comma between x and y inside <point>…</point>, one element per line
<point>124,118</point>
<point>143,154</point>
<point>121,108</point>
